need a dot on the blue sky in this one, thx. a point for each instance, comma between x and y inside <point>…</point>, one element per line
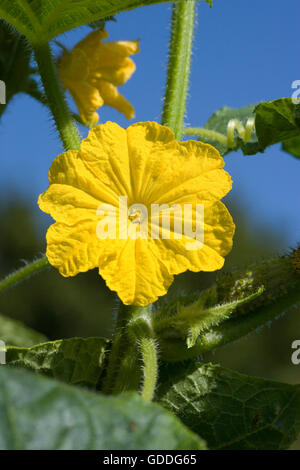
<point>245,51</point>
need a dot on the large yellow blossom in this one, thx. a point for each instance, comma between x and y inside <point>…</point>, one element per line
<point>93,70</point>
<point>147,165</point>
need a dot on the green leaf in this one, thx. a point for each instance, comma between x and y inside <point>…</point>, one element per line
<point>100,24</point>
<point>77,361</point>
<point>219,122</point>
<point>277,121</point>
<point>15,333</point>
<point>42,20</point>
<point>15,68</point>
<point>292,146</point>
<point>231,410</point>
<point>41,413</point>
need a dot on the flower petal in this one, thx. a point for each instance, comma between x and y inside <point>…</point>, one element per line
<point>105,153</point>
<point>90,43</point>
<point>87,99</point>
<point>128,266</point>
<point>68,204</point>
<point>218,233</point>
<point>92,61</point>
<point>123,48</point>
<point>73,249</point>
<point>108,60</point>
<point>69,169</point>
<point>133,272</point>
<point>191,170</point>
<point>115,71</point>
<point>112,97</point>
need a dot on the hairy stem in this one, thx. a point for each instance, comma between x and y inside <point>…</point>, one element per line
<point>56,99</point>
<point>140,332</point>
<point>133,352</point>
<point>201,132</point>
<point>24,273</point>
<point>129,371</point>
<point>179,65</point>
<point>118,344</point>
<point>150,367</point>
<point>233,125</point>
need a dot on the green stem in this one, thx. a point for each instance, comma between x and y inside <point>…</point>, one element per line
<point>233,125</point>
<point>24,273</point>
<point>140,332</point>
<point>133,338</point>
<point>121,363</point>
<point>55,97</point>
<point>129,372</point>
<point>149,356</point>
<point>179,65</point>
<point>116,351</point>
<point>201,132</point>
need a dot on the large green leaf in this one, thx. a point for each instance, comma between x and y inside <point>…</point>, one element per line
<point>77,361</point>
<point>15,333</point>
<point>275,121</point>
<point>41,20</point>
<point>231,410</point>
<point>41,413</point>
<point>292,146</point>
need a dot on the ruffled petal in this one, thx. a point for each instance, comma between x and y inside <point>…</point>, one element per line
<point>191,170</point>
<point>70,169</point>
<point>218,233</point>
<point>133,272</point>
<point>68,204</point>
<point>105,153</point>
<point>73,249</point>
<point>128,266</point>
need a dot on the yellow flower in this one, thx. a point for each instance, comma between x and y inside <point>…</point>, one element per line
<point>93,70</point>
<point>146,165</point>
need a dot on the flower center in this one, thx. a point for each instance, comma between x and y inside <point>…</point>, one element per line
<point>134,215</point>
